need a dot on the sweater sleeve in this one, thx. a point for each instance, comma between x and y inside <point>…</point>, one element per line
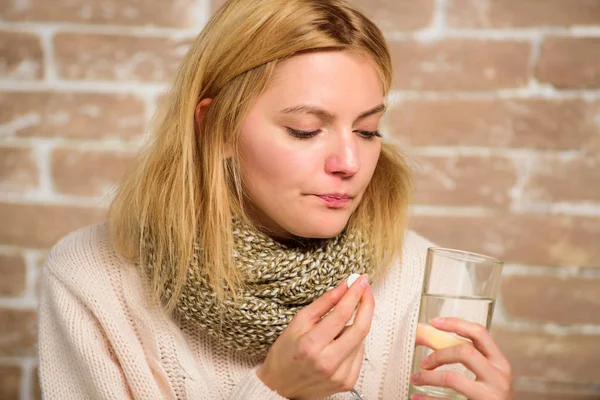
<point>91,348</point>
<point>251,387</point>
<point>76,361</point>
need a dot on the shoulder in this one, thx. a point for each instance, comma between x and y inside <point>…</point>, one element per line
<point>79,249</point>
<point>84,260</point>
<point>415,248</point>
<point>407,269</point>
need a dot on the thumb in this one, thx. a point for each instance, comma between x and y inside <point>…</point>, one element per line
<point>436,339</point>
<point>312,313</point>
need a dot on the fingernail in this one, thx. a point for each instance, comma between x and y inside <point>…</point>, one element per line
<point>364,281</point>
<point>416,397</point>
<point>438,320</point>
<point>415,377</point>
<point>424,361</point>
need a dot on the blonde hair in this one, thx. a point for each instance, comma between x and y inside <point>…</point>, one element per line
<point>183,190</point>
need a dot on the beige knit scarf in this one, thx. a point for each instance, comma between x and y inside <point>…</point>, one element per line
<point>279,280</point>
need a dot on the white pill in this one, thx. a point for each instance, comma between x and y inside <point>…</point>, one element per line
<point>352,278</point>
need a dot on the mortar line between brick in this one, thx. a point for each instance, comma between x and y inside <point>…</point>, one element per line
<point>53,200</point>
<point>563,208</point>
<point>524,162</point>
<point>439,15</point>
<point>562,272</point>
<point>111,87</point>
<point>451,151</point>
<point>536,48</point>
<point>43,151</point>
<point>444,211</point>
<point>434,33</point>
<point>19,303</point>
<point>47,36</point>
<point>550,328</point>
<point>107,29</point>
<point>27,368</point>
<point>534,90</point>
<point>74,143</point>
<point>31,259</point>
<point>207,10</point>
<point>547,210</point>
<point>11,361</point>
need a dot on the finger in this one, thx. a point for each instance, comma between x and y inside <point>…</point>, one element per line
<point>451,380</point>
<point>480,337</point>
<point>347,373</point>
<point>331,325</point>
<point>435,339</point>
<point>356,333</point>
<point>357,363</point>
<point>467,355</point>
<point>312,313</point>
<point>423,397</point>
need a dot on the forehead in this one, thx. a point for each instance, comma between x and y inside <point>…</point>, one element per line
<point>326,79</point>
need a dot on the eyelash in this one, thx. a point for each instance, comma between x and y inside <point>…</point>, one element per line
<point>307,135</point>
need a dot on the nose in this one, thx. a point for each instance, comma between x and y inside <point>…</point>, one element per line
<point>343,159</point>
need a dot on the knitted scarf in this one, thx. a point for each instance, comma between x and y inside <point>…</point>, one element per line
<point>279,279</point>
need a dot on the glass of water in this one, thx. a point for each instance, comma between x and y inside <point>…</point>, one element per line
<point>457,284</point>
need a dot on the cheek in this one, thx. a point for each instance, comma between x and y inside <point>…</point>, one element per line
<point>370,159</point>
<point>374,157</point>
<point>271,163</point>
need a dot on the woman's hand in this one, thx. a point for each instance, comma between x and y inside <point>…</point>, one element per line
<point>317,356</point>
<point>483,357</point>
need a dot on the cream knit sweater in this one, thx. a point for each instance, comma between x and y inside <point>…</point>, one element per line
<point>99,339</point>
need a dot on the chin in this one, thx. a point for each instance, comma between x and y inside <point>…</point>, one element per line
<point>319,229</point>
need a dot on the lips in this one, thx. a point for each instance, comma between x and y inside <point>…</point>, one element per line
<point>335,200</point>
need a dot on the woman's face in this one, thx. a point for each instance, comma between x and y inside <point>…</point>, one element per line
<point>309,146</point>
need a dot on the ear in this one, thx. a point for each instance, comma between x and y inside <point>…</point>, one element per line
<point>201,111</point>
<point>199,117</point>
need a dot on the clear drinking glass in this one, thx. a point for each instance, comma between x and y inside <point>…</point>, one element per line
<point>456,284</point>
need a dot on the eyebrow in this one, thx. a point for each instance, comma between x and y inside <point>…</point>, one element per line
<point>326,115</point>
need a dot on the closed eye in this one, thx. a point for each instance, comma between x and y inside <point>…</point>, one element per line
<point>302,134</point>
<point>308,134</point>
<point>369,134</point>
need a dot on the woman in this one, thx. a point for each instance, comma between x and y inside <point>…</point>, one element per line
<point>221,272</point>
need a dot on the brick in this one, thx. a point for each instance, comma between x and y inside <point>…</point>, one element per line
<point>71,115</point>
<point>553,395</point>
<point>531,239</point>
<point>460,64</point>
<point>10,382</point>
<point>518,123</point>
<point>554,179</point>
<point>18,332</point>
<point>87,173</point>
<point>180,14</point>
<point>542,298</point>
<point>398,15</point>
<point>40,226</point>
<point>14,275</point>
<point>464,181</point>
<point>389,15</point>
<point>21,56</point>
<point>522,13</point>
<point>115,57</point>
<point>18,170</point>
<point>570,62</point>
<point>573,358</point>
